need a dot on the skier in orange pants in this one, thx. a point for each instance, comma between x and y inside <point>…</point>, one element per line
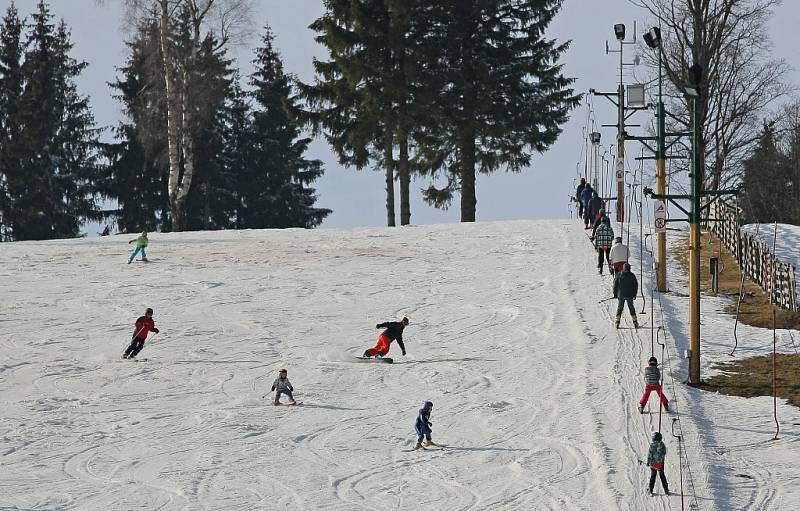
<point>393,332</point>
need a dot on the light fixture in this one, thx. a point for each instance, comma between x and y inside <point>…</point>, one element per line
<point>695,75</point>
<point>619,31</point>
<point>653,37</point>
<point>636,97</point>
<point>695,79</point>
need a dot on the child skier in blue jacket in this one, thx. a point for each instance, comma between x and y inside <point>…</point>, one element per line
<point>423,426</point>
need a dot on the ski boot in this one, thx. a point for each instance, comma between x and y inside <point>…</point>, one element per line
<point>144,260</point>
<point>666,407</point>
<point>635,321</point>
<point>641,408</point>
<point>292,401</point>
<point>276,402</point>
<point>418,445</point>
<point>366,354</point>
<point>429,443</point>
<point>616,321</point>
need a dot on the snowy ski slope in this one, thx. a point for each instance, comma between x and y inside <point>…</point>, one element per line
<point>534,392</point>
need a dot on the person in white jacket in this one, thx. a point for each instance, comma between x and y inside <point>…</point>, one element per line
<point>618,255</point>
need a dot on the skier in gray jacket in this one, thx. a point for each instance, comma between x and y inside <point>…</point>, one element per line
<point>652,380</point>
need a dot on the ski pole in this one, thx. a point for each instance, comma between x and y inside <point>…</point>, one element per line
<point>606,299</point>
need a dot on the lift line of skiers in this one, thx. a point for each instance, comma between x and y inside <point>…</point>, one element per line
<point>591,210</point>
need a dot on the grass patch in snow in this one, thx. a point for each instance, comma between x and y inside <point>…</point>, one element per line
<point>755,309</point>
<point>748,377</point>
<point>752,377</point>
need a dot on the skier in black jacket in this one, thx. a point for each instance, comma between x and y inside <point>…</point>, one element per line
<point>625,288</point>
<point>393,332</point>
<point>578,192</point>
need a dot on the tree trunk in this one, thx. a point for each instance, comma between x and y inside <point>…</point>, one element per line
<point>405,180</point>
<point>388,163</point>
<point>468,199</point>
<point>188,153</point>
<point>173,118</point>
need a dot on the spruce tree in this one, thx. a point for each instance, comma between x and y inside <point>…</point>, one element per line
<point>278,194</point>
<point>373,94</point>
<point>55,189</point>
<point>11,83</point>
<point>764,180</point>
<point>503,93</point>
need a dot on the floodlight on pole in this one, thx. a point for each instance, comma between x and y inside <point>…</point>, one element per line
<point>653,37</point>
<point>619,31</point>
<point>653,40</point>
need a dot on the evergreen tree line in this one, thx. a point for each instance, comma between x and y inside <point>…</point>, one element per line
<point>49,149</point>
<point>771,174</point>
<point>444,89</point>
<point>248,154</point>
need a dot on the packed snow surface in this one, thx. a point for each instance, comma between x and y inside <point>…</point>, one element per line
<point>534,391</point>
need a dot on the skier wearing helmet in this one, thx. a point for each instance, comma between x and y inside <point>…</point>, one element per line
<point>655,460</point>
<point>423,426</point>
<point>144,325</point>
<point>652,380</point>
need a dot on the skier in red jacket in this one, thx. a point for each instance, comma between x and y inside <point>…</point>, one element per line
<point>393,332</point>
<point>143,325</point>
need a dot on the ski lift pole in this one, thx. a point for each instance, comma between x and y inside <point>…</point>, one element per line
<point>680,458</point>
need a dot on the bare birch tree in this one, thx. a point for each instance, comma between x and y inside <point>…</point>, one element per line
<point>183,27</point>
<point>740,81</point>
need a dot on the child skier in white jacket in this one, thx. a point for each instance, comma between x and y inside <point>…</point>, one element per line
<point>282,385</point>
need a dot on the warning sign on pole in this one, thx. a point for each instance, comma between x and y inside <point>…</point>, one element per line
<point>661,216</point>
<point>620,170</point>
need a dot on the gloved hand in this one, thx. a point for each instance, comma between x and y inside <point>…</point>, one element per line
<point>377,326</point>
<point>155,330</point>
<point>404,353</point>
<point>591,238</point>
<point>273,388</point>
<point>131,241</point>
<point>291,389</point>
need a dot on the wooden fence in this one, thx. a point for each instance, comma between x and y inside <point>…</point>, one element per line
<point>754,256</point>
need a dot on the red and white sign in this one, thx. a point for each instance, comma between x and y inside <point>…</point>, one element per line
<point>660,216</point>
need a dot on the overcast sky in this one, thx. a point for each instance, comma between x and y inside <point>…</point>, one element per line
<point>357,198</point>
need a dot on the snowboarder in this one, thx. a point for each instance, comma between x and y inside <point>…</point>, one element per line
<point>578,199</point>
<point>625,288</point>
<point>603,238</point>
<point>652,380</point>
<point>393,332</point>
<point>655,460</point>
<point>144,325</point>
<point>282,385</point>
<point>423,426</point>
<point>618,255</point>
<point>141,245</point>
<point>586,196</point>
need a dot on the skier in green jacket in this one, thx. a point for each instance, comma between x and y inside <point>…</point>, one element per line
<point>141,245</point>
<point>655,460</point>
